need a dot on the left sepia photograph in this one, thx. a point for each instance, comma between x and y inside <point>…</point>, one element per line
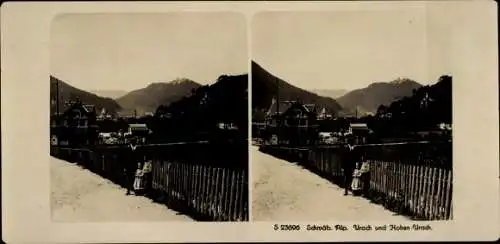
<point>149,117</point>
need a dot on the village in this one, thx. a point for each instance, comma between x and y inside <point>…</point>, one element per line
<point>297,123</point>
<point>295,135</point>
<point>395,157</point>
<point>81,125</point>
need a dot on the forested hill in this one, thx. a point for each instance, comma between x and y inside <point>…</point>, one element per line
<point>428,107</point>
<point>200,115</point>
<point>265,88</point>
<point>368,99</point>
<point>69,93</point>
<point>147,99</point>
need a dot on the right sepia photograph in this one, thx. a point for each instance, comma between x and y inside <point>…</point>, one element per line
<point>351,116</point>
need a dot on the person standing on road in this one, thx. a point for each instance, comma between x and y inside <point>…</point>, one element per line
<point>356,184</point>
<point>147,170</point>
<point>131,165</point>
<point>348,165</point>
<point>365,175</point>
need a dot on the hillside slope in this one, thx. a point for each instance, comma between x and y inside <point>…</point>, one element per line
<point>148,99</point>
<point>265,88</point>
<point>368,99</point>
<point>427,107</point>
<point>69,93</point>
<point>198,116</point>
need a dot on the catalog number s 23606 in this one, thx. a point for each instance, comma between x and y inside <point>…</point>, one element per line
<point>287,227</point>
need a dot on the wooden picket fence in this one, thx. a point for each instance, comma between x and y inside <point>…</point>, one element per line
<point>424,192</point>
<point>221,193</point>
<point>414,179</point>
<point>198,179</point>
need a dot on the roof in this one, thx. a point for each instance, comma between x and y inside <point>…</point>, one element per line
<point>88,108</point>
<point>286,105</point>
<point>310,107</point>
<point>138,126</point>
<point>359,126</point>
<point>273,109</point>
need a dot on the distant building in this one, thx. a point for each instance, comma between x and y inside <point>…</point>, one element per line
<point>444,126</point>
<point>104,115</point>
<point>359,131</point>
<point>127,114</point>
<point>227,126</point>
<point>138,129</point>
<point>355,128</point>
<point>442,130</point>
<point>323,114</point>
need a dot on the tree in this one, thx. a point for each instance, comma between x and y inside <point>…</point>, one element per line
<point>427,107</point>
<point>198,115</point>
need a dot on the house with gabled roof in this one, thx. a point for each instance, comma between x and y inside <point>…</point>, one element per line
<point>359,132</point>
<point>292,122</point>
<point>76,126</point>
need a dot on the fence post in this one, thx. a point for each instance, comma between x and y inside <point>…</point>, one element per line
<point>232,195</point>
<point>433,193</point>
<point>224,193</point>
<point>425,191</point>
<point>211,193</point>
<point>439,204</point>
<point>197,188</point>
<point>448,194</point>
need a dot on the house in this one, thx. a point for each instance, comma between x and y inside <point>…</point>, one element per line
<point>292,122</point>
<point>76,126</point>
<point>290,113</point>
<point>358,131</point>
<point>138,129</point>
<point>355,128</point>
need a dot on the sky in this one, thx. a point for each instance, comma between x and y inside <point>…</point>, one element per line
<point>352,49</point>
<point>130,51</point>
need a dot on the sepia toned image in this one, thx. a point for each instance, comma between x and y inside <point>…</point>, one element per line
<point>351,116</point>
<point>149,117</point>
<point>249,121</point>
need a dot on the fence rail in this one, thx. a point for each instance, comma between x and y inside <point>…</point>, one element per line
<point>197,178</point>
<point>413,179</point>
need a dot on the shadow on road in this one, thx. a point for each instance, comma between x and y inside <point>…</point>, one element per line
<point>373,197</point>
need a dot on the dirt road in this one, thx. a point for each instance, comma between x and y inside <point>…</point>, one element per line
<point>78,195</point>
<point>283,191</point>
